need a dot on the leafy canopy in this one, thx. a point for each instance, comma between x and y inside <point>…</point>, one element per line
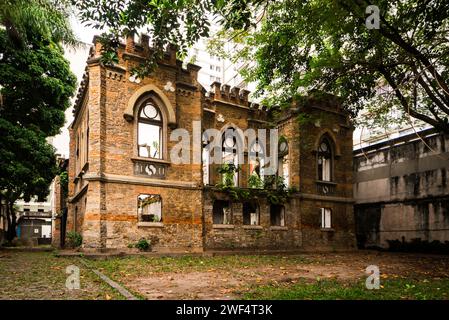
<point>23,19</point>
<point>36,85</point>
<point>302,45</point>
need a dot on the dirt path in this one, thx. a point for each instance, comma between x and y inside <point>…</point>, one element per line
<point>226,284</point>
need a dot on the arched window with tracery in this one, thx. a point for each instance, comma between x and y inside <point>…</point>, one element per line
<point>256,162</point>
<point>150,129</point>
<point>230,151</point>
<point>325,159</point>
<point>283,161</point>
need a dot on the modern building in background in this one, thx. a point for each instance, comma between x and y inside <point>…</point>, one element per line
<point>401,189</point>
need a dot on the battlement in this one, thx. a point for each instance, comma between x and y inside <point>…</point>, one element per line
<point>130,49</point>
<point>225,93</point>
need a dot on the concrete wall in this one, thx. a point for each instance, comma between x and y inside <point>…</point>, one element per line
<point>401,190</point>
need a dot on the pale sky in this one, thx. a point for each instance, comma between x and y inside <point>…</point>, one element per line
<point>77,58</point>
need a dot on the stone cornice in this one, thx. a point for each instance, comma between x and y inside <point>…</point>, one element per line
<point>113,178</point>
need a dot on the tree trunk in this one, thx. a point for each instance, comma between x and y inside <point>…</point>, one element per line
<point>12,221</point>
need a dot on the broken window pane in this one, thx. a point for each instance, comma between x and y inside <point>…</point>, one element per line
<point>326,218</point>
<point>230,151</point>
<point>257,161</point>
<point>284,163</point>
<point>277,215</point>
<point>206,165</point>
<point>250,213</point>
<point>150,132</point>
<point>150,207</point>
<point>222,213</point>
<point>324,159</point>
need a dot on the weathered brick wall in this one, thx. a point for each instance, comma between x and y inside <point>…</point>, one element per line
<point>105,194</point>
<point>325,116</point>
<point>240,236</point>
<point>104,191</point>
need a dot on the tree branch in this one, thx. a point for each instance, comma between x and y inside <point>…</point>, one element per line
<point>405,105</point>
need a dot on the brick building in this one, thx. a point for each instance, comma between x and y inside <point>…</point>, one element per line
<point>123,184</point>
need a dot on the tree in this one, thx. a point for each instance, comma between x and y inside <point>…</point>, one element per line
<point>303,45</point>
<point>47,18</point>
<point>27,164</point>
<point>36,85</point>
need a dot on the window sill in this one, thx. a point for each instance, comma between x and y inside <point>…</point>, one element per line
<point>278,228</point>
<point>150,224</point>
<point>223,226</point>
<point>327,229</point>
<point>252,227</point>
<point>150,160</point>
<point>326,182</point>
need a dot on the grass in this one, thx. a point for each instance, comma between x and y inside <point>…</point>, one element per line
<point>392,289</point>
<point>137,266</point>
<point>41,275</point>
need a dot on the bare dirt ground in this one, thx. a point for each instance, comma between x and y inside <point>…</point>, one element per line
<point>41,275</point>
<point>228,282</point>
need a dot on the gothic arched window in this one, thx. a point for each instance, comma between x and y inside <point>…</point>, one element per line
<point>230,151</point>
<point>283,161</point>
<point>257,162</point>
<point>150,131</point>
<point>324,160</point>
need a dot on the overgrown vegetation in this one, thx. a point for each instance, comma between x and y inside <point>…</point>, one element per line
<point>143,245</point>
<point>73,239</point>
<point>64,182</point>
<point>394,72</point>
<point>36,85</point>
<point>272,187</point>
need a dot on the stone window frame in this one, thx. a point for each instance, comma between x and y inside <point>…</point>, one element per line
<point>330,145</point>
<point>283,154</point>
<point>155,122</point>
<point>257,155</point>
<point>282,222</point>
<point>326,224</point>
<point>139,215</point>
<point>238,144</point>
<point>141,102</point>
<point>222,222</point>
<point>257,206</point>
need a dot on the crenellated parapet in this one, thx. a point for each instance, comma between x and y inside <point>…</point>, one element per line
<point>225,93</point>
<point>233,97</point>
<point>131,54</point>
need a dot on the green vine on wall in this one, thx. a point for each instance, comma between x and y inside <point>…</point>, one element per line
<point>272,187</point>
<point>64,182</point>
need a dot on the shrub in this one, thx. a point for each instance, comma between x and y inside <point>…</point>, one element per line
<point>143,245</point>
<point>74,239</point>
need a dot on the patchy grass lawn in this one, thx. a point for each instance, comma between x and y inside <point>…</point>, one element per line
<point>307,276</point>
<point>336,290</point>
<point>41,275</point>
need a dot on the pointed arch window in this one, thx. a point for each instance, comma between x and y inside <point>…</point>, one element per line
<point>283,161</point>
<point>230,151</point>
<point>257,163</point>
<point>325,160</point>
<point>150,128</point>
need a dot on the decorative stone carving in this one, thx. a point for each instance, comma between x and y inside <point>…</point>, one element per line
<point>150,169</point>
